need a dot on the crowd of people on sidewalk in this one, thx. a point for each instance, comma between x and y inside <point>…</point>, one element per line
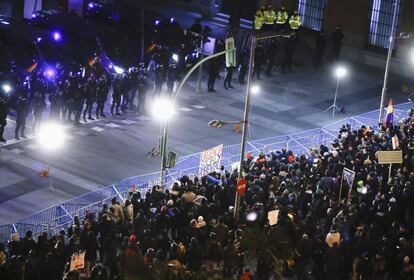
<point>188,231</point>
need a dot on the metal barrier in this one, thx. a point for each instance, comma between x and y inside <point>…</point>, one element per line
<point>61,216</point>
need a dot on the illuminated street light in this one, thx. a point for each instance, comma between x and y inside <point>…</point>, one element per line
<point>162,109</point>
<point>340,72</point>
<point>119,70</point>
<point>57,36</point>
<point>6,88</point>
<point>175,57</point>
<point>255,89</point>
<point>49,73</point>
<point>51,136</point>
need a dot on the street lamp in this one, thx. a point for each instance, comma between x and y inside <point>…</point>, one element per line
<point>403,35</point>
<point>340,72</point>
<point>163,110</point>
<point>6,88</point>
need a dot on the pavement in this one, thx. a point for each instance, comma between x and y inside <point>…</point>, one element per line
<point>105,151</point>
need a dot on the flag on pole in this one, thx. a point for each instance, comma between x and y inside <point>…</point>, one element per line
<point>389,118</point>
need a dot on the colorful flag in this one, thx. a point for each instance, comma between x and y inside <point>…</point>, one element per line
<point>389,118</point>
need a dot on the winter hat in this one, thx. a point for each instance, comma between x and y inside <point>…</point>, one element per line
<point>132,238</point>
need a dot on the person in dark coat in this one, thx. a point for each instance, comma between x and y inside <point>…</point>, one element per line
<point>213,72</point>
<point>194,255</point>
<point>243,66</point>
<point>337,38</point>
<point>320,42</point>
<point>333,262</point>
<point>228,77</point>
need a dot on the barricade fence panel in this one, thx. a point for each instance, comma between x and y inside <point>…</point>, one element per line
<point>56,218</point>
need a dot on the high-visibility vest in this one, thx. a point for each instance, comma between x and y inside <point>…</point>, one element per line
<point>295,22</point>
<point>282,17</point>
<point>269,17</point>
<point>258,22</point>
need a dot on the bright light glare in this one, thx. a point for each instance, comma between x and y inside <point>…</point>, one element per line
<point>119,70</point>
<point>254,89</point>
<point>251,217</point>
<point>157,22</point>
<point>5,22</point>
<point>57,36</point>
<point>51,136</point>
<point>340,72</point>
<point>171,20</point>
<point>6,88</point>
<point>364,190</point>
<point>49,73</point>
<point>175,57</point>
<point>163,109</point>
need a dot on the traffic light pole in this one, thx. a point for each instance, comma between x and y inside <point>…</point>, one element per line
<point>164,137</point>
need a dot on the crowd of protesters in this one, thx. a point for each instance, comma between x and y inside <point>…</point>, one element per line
<point>190,227</point>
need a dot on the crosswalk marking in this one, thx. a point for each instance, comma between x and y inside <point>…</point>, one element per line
<point>184,109</point>
<point>113,125</point>
<point>128,122</point>
<point>97,128</point>
<point>81,133</point>
<point>198,106</point>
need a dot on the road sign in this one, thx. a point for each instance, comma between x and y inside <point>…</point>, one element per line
<point>241,186</point>
<point>230,56</point>
<point>390,157</point>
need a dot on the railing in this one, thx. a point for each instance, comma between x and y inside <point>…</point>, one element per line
<point>61,216</point>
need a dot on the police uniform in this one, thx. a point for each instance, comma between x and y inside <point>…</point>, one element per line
<point>258,61</point>
<point>244,63</point>
<point>269,18</point>
<point>79,100</point>
<point>3,115</point>
<point>158,79</point>
<point>213,72</point>
<point>116,95</point>
<point>295,21</point>
<point>21,114</point>
<point>39,105</point>
<point>142,92</point>
<point>281,19</point>
<point>271,54</point>
<point>258,20</point>
<point>67,100</point>
<point>172,76</point>
<point>228,77</point>
<point>90,96</point>
<point>102,94</point>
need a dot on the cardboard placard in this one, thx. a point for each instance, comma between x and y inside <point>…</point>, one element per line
<point>390,157</point>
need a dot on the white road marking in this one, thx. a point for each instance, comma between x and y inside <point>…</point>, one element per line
<point>198,106</point>
<point>113,125</point>
<point>97,128</point>
<point>128,122</point>
<point>184,109</point>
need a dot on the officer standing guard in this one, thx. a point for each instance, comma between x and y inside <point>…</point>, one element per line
<point>79,100</point>
<point>213,72</point>
<point>142,91</point>
<point>90,95</point>
<point>3,114</point>
<point>228,77</point>
<point>102,94</point>
<point>271,54</point>
<point>116,95</point>
<point>269,19</point>
<point>258,20</point>
<point>21,114</point>
<point>244,63</point>
<point>281,19</point>
<point>67,99</point>
<point>39,106</point>
<point>295,21</point>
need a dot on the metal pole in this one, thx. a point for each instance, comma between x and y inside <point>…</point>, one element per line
<point>163,153</point>
<point>200,71</point>
<point>245,123</point>
<point>390,49</point>
<point>163,146</point>
<point>336,94</point>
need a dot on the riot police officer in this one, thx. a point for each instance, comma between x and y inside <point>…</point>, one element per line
<point>142,91</point>
<point>39,106</point>
<point>3,115</point>
<point>244,63</point>
<point>102,94</point>
<point>116,95</point>
<point>79,100</point>
<point>67,99</point>
<point>172,76</point>
<point>158,79</point>
<point>21,114</point>
<point>55,100</point>
<point>90,95</point>
<point>213,73</point>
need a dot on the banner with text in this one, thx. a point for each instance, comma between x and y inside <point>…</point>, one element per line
<point>210,160</point>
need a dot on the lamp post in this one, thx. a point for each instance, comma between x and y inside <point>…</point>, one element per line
<point>254,90</point>
<point>393,38</point>
<point>164,137</point>
<point>340,72</point>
